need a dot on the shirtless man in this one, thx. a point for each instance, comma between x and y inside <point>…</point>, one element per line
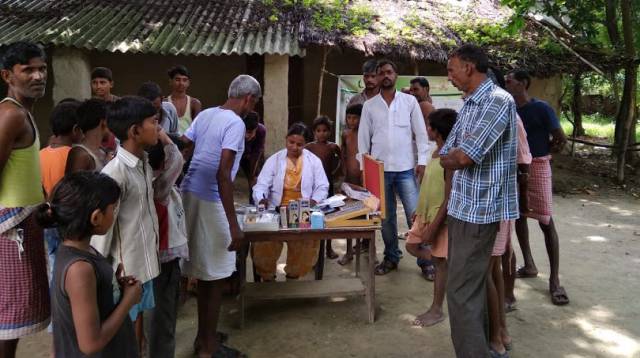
<point>350,164</point>
<point>188,107</point>
<point>420,89</point>
<point>89,154</point>
<point>25,290</point>
<point>370,80</point>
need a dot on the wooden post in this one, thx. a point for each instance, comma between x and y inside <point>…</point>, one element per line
<point>325,52</point>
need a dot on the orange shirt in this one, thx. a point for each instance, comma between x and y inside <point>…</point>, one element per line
<point>292,180</point>
<point>52,164</point>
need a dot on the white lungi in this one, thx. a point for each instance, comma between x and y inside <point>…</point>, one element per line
<point>209,237</point>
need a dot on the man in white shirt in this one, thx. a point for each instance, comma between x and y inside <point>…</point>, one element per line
<point>388,122</point>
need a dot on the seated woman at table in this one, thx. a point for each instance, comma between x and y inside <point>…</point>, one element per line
<point>290,174</point>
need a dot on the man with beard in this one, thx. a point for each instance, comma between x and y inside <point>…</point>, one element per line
<point>24,300</point>
<point>388,122</point>
<point>207,190</point>
<point>370,80</point>
<point>481,150</point>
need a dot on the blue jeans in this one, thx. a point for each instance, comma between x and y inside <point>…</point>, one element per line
<point>52,239</point>
<point>404,184</point>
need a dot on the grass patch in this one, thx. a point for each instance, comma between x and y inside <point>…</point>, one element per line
<point>595,125</point>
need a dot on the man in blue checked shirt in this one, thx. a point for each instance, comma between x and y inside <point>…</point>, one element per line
<point>482,150</point>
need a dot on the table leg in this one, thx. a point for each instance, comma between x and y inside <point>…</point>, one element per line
<point>242,307</point>
<point>242,273</point>
<point>358,248</point>
<point>371,284</point>
<point>320,263</point>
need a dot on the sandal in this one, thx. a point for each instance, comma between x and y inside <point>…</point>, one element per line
<point>331,255</point>
<point>522,272</point>
<point>222,338</point>
<point>345,259</point>
<point>510,307</point>
<point>494,354</point>
<point>227,352</point>
<point>508,346</point>
<point>429,272</point>
<point>559,296</point>
<point>385,267</point>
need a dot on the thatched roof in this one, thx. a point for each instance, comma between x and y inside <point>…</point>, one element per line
<point>430,29</point>
<point>414,29</point>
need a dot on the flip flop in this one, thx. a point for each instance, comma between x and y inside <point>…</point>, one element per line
<point>508,346</point>
<point>345,259</point>
<point>332,255</point>
<point>385,267</point>
<point>222,338</point>
<point>429,273</point>
<point>521,273</point>
<point>494,354</point>
<point>559,296</point>
<point>418,323</point>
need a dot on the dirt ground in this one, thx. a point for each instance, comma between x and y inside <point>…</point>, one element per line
<point>600,259</point>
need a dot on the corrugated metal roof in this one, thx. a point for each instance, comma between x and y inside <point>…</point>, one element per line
<point>189,27</point>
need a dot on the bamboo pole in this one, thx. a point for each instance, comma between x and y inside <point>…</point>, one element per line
<point>325,52</point>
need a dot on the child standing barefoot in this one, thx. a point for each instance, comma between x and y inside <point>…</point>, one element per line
<point>350,164</point>
<point>86,320</point>
<point>429,224</point>
<point>329,154</point>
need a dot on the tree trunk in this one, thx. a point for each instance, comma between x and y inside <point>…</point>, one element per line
<point>576,105</point>
<point>626,115</point>
<point>611,22</point>
<point>615,88</point>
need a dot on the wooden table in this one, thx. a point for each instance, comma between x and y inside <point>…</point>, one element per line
<point>355,286</point>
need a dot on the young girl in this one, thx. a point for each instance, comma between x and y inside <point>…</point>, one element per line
<point>86,320</point>
<point>429,224</point>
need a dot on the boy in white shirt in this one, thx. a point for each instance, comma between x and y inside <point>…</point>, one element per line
<point>133,239</point>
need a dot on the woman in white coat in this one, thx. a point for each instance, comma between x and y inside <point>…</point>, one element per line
<point>290,174</point>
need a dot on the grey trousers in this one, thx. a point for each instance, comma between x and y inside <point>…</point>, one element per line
<point>470,247</point>
<point>160,322</point>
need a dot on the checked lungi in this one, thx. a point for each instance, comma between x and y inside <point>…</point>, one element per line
<point>503,238</point>
<point>539,190</point>
<point>24,287</point>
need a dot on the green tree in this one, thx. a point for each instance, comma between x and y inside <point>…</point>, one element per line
<point>600,26</point>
